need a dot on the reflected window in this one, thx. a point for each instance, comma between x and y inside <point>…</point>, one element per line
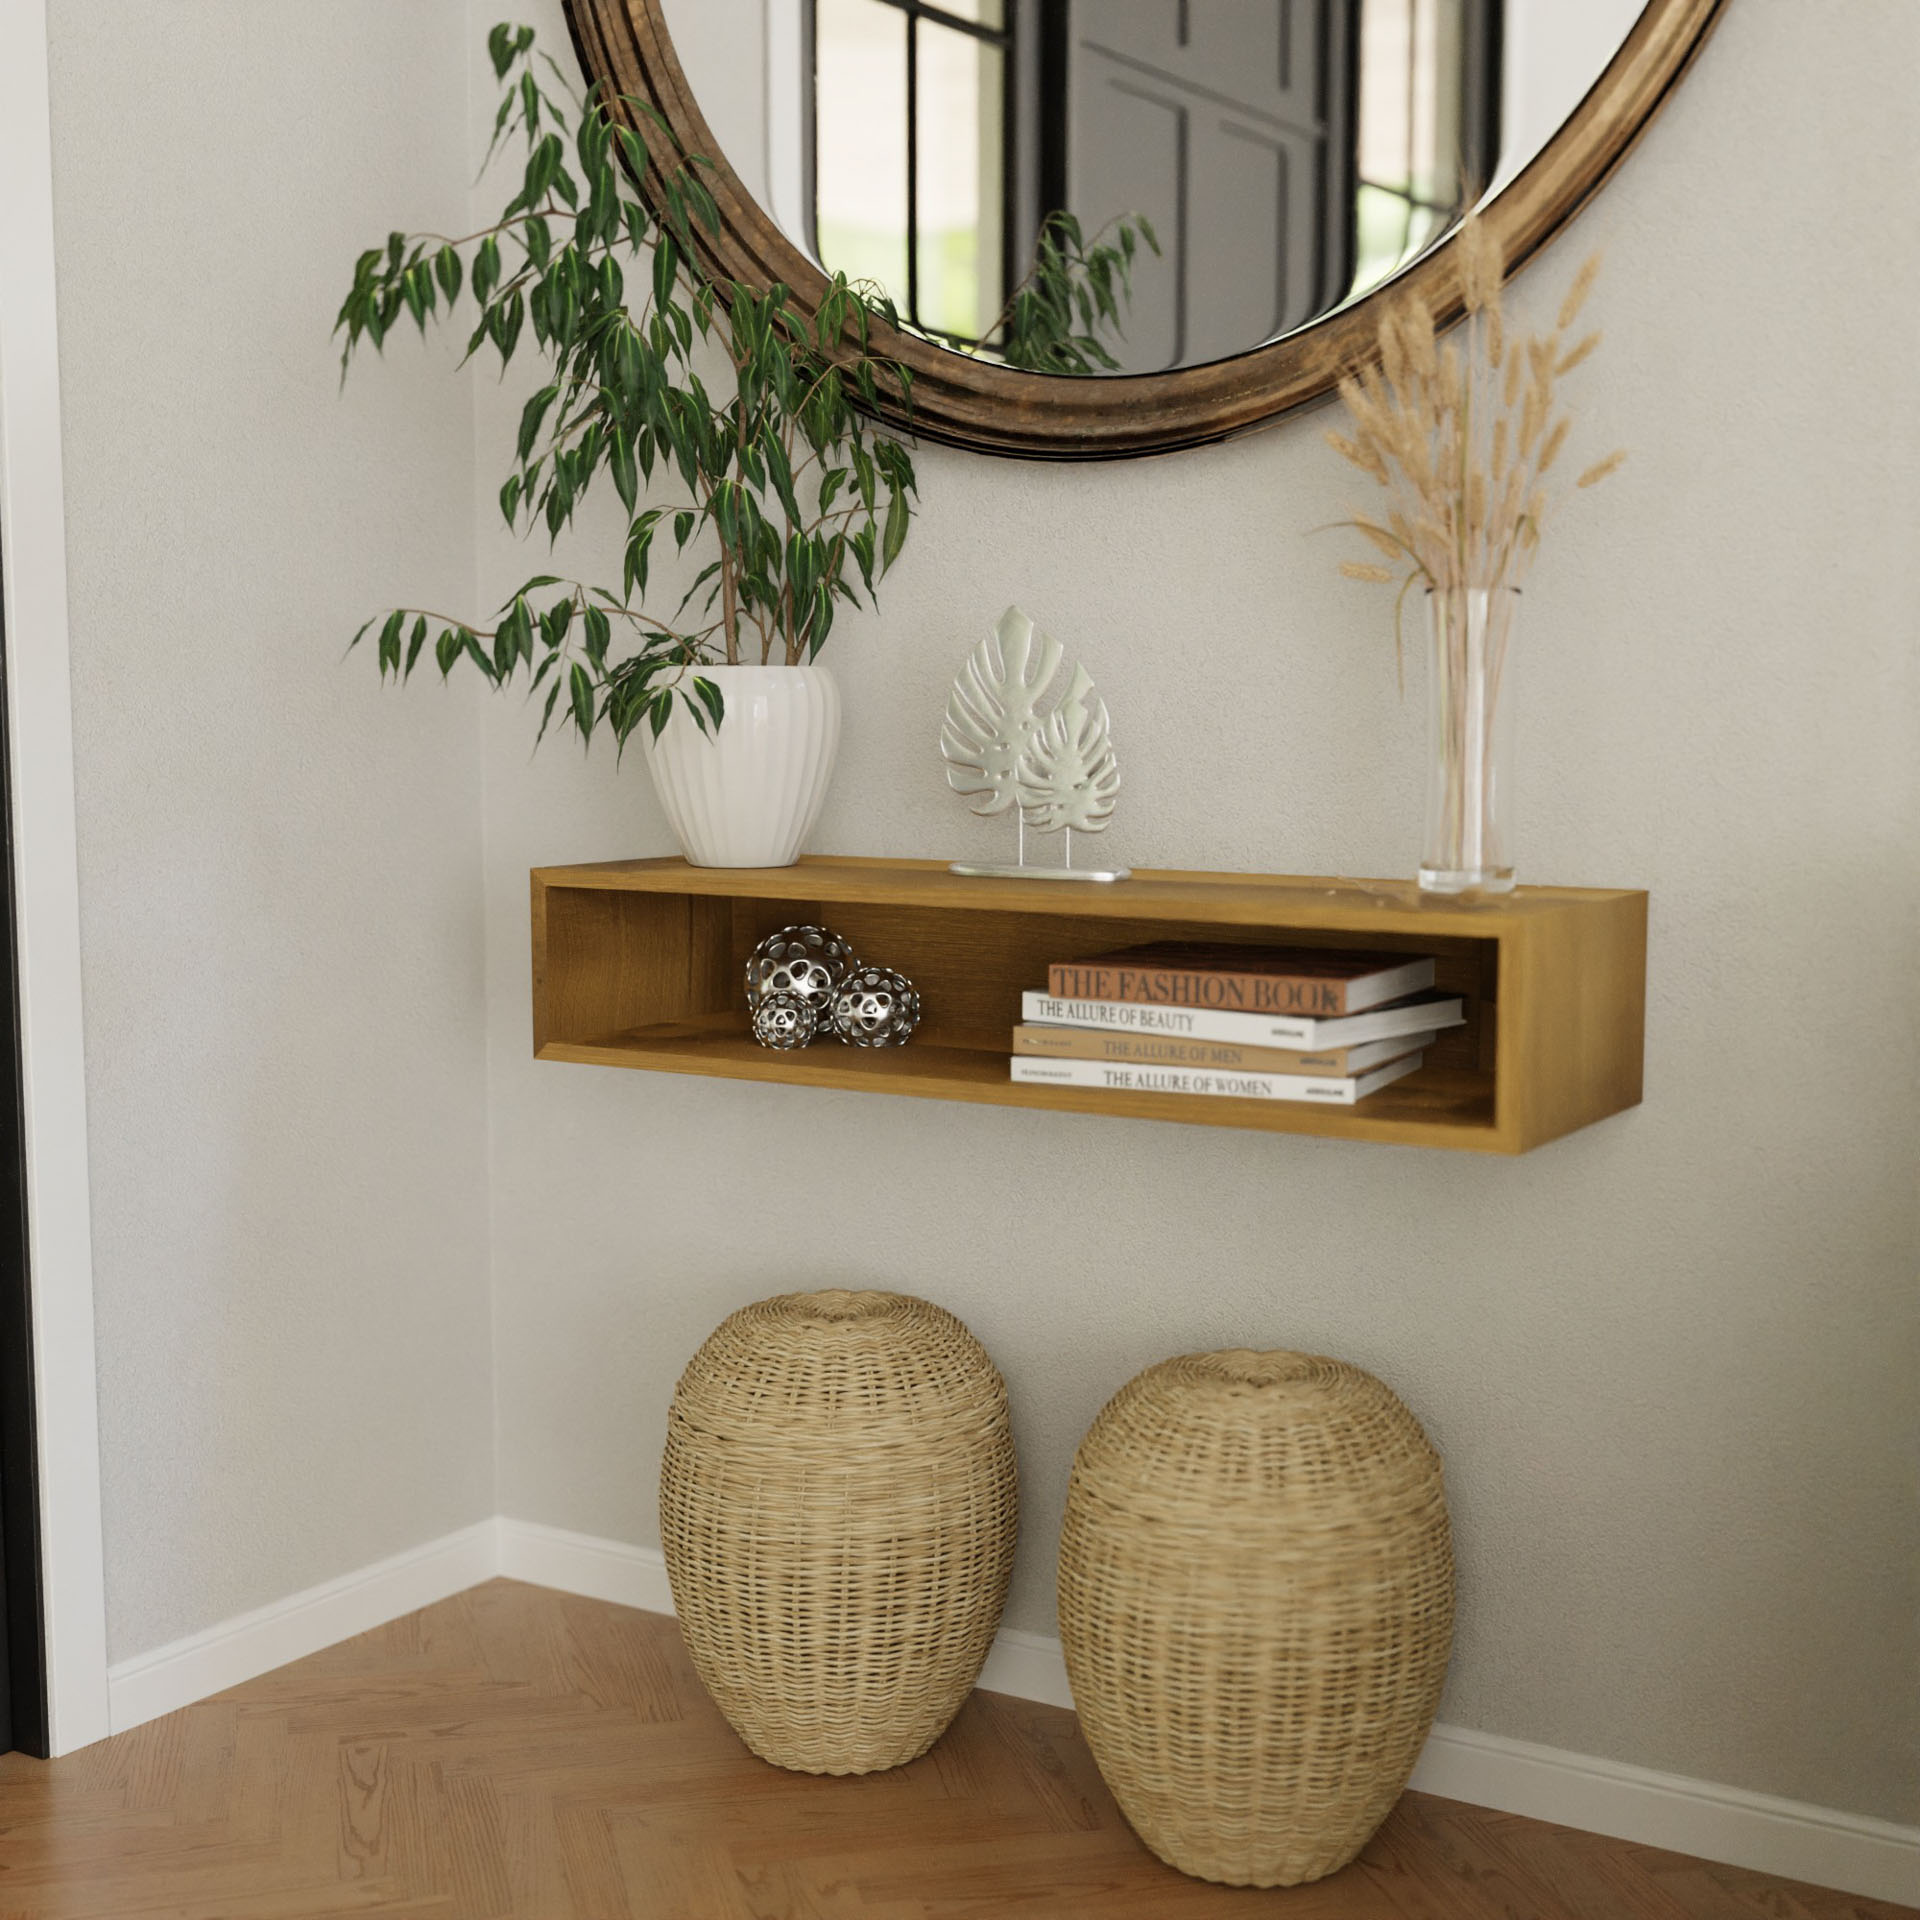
<point>1428,129</point>
<point>1288,154</point>
<point>909,131</point>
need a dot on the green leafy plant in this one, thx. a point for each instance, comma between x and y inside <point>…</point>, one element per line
<point>775,466</point>
<point>1076,288</point>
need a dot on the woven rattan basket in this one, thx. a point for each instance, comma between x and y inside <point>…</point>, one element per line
<point>1256,1602</point>
<point>838,1504</point>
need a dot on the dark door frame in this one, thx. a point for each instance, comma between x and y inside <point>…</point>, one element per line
<point>23,1643</point>
<point>54,1354</point>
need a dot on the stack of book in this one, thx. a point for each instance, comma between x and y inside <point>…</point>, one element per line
<point>1247,1023</point>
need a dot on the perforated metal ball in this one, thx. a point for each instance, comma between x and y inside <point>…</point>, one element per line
<point>876,1007</point>
<point>808,961</point>
<point>785,1021</point>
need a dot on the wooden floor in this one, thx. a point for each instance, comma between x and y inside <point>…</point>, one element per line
<point>517,1752</point>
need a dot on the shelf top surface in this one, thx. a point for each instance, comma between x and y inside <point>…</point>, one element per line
<point>1251,899</point>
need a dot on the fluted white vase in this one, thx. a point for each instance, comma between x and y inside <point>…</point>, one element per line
<point>747,794</point>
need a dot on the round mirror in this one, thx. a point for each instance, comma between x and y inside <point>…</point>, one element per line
<point>1122,226</point>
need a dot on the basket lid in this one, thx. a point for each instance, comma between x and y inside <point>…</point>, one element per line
<point>1295,1440</point>
<point>845,1358</point>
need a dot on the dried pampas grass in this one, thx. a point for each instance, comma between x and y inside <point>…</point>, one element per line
<point>1462,435</point>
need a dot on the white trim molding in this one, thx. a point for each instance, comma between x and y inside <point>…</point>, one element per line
<point>1711,1822</point>
<point>1729,1824</point>
<point>582,1563</point>
<point>46,880</point>
<point>1847,1851</point>
<point>251,1644</point>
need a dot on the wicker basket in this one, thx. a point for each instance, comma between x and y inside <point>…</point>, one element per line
<point>838,1504</point>
<point>1256,1602</point>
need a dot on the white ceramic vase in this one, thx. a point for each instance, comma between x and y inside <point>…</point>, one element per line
<point>748,794</point>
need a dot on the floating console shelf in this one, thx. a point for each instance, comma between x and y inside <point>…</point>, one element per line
<point>641,963</point>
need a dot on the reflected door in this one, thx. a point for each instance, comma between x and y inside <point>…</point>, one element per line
<point>1230,129</point>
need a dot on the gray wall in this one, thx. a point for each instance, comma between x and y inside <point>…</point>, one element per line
<point>280,864</point>
<point>1669,1359</point>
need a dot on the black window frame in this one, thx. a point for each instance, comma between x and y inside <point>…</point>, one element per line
<point>1006,38</point>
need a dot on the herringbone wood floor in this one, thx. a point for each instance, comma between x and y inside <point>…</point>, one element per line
<point>515,1752</point>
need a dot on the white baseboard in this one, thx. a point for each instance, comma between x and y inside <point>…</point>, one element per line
<point>584,1564</point>
<point>1798,1842</point>
<point>1028,1666</point>
<point>1712,1822</point>
<point>254,1643</point>
<point>1786,1837</point>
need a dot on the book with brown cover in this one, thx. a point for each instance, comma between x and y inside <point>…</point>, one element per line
<point>1315,981</point>
<point>1212,1056</point>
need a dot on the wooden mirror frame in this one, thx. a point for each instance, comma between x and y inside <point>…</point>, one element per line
<point>991,408</point>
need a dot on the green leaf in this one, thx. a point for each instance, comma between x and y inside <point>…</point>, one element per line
<point>710,698</point>
<point>416,290</point>
<point>516,632</point>
<point>470,646</point>
<point>683,524</point>
<point>531,417</point>
<point>634,151</point>
<point>666,264</point>
<point>390,642</point>
<point>598,637</point>
<point>486,269</point>
<point>626,476</point>
<point>448,270</point>
<point>581,699</point>
<point>414,644</point>
<point>508,317</point>
<point>500,49</point>
<point>446,650</point>
<point>639,542</point>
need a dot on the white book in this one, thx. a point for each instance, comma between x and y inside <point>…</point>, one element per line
<point>1421,1014</point>
<point>1040,1071</point>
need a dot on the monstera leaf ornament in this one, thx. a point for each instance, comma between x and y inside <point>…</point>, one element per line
<point>1068,776</point>
<point>990,712</point>
<point>1055,772</point>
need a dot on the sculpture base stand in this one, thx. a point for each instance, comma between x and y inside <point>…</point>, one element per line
<point>1040,873</point>
<point>1021,871</point>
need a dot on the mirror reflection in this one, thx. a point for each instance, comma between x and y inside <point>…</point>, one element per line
<point>1138,185</point>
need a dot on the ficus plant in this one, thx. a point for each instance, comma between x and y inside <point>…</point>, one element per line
<point>1076,288</point>
<point>753,416</point>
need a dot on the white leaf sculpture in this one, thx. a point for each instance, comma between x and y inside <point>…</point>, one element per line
<point>1068,776</point>
<point>991,723</point>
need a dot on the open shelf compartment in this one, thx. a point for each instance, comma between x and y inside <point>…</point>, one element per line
<point>641,963</point>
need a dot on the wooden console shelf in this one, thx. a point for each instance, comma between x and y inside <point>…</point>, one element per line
<point>641,963</point>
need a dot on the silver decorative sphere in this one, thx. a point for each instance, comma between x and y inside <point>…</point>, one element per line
<point>876,1007</point>
<point>808,961</point>
<point>785,1021</point>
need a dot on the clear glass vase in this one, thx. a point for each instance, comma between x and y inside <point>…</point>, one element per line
<point>1468,848</point>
